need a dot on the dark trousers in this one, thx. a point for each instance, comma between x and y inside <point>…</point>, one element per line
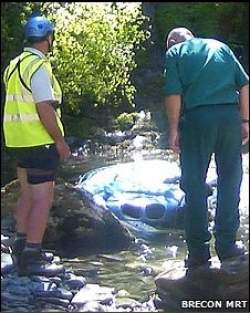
<point>204,131</point>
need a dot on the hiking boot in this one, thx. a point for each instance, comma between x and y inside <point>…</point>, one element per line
<point>232,252</point>
<point>193,264</point>
<point>198,256</point>
<point>18,247</point>
<point>32,263</point>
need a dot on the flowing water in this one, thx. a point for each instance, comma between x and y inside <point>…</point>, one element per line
<point>132,272</point>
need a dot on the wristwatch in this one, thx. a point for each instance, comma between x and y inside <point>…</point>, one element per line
<point>244,121</point>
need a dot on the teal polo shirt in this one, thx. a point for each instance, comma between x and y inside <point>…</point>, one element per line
<point>203,72</point>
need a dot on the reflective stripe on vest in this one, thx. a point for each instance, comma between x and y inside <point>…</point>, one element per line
<point>19,98</point>
<point>22,125</point>
<point>21,117</point>
<point>25,98</point>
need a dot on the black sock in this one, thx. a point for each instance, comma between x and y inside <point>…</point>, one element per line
<point>20,236</point>
<point>33,246</point>
<point>19,243</point>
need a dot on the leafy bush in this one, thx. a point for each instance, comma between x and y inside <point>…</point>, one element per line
<point>227,21</point>
<point>13,16</point>
<point>198,17</point>
<point>79,127</point>
<point>94,52</point>
<point>125,120</point>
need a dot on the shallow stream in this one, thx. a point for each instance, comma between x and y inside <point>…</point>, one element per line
<point>132,272</point>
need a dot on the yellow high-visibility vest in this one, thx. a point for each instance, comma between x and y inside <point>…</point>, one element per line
<point>21,123</point>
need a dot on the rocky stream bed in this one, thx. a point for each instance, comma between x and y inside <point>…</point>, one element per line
<point>76,232</point>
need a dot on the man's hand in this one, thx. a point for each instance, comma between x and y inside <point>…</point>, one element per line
<point>174,141</point>
<point>245,133</point>
<point>63,150</point>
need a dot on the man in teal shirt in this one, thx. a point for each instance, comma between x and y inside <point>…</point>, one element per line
<point>207,104</point>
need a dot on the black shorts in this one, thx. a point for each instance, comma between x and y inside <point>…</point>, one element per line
<point>40,162</point>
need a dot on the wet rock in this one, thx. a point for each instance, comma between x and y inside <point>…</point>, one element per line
<point>16,280</point>
<point>93,292</point>
<point>122,293</point>
<point>116,137</point>
<point>59,294</point>
<point>92,306</point>
<point>73,223</point>
<point>9,196</point>
<point>79,225</point>
<point>40,279</point>
<point>13,299</point>
<point>146,270</point>
<point>131,305</point>
<point>222,281</point>
<point>149,306</point>
<point>56,259</point>
<point>126,302</point>
<point>5,241</point>
<point>52,300</point>
<point>42,287</point>
<point>7,264</point>
<point>56,293</point>
<point>75,282</point>
<point>4,248</point>
<point>56,280</point>
<point>142,249</point>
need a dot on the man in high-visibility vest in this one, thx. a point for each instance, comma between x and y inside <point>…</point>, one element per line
<point>34,136</point>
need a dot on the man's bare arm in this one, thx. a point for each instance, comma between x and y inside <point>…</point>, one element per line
<point>244,102</point>
<point>173,108</point>
<point>48,118</point>
<point>244,111</point>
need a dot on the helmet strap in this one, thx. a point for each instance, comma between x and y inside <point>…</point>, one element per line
<point>50,45</point>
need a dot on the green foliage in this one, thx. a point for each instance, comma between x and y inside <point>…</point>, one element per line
<point>142,57</point>
<point>198,17</point>
<point>11,42</point>
<point>13,16</point>
<point>94,53</point>
<point>223,20</point>
<point>79,127</point>
<point>98,46</point>
<point>233,21</point>
<point>125,120</point>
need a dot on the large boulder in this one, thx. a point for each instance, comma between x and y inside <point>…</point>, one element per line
<point>222,282</point>
<point>73,223</point>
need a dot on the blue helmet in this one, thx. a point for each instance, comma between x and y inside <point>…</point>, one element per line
<point>38,27</point>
